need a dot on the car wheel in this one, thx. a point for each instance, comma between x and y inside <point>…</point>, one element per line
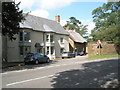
<point>48,60</point>
<point>25,63</point>
<point>62,57</point>
<point>36,62</point>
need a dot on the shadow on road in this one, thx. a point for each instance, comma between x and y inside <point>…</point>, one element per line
<point>28,66</point>
<point>93,75</point>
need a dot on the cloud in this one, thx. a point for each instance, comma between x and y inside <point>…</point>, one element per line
<point>63,22</point>
<point>54,4</point>
<point>40,13</point>
<point>90,27</point>
<point>25,4</point>
<point>44,4</point>
<point>41,7</point>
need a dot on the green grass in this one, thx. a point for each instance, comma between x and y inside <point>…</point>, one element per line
<point>102,56</point>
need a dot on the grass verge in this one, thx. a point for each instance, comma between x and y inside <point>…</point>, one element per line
<point>102,56</point>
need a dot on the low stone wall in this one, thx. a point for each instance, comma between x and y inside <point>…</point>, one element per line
<point>107,49</point>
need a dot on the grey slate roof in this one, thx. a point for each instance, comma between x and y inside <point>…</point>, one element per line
<point>76,36</point>
<point>42,24</point>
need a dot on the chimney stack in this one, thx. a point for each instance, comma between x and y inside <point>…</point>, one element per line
<point>57,18</point>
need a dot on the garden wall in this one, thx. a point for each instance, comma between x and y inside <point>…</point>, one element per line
<point>107,49</point>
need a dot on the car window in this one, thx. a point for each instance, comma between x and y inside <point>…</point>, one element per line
<point>29,54</point>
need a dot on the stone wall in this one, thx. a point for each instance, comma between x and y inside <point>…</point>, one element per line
<point>107,49</point>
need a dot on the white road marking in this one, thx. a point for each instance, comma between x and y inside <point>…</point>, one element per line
<point>10,84</point>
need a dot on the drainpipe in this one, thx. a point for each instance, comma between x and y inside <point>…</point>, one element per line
<point>43,43</point>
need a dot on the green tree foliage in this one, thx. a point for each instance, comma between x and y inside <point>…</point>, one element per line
<point>107,21</point>
<point>11,17</point>
<point>76,25</point>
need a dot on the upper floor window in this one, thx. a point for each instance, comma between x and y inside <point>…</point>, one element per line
<point>51,38</point>
<point>21,36</point>
<point>61,40</point>
<point>47,38</point>
<point>24,36</point>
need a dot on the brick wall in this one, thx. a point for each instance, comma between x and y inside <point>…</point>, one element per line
<point>107,49</point>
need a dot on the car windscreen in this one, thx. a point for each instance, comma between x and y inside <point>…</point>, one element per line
<point>29,55</point>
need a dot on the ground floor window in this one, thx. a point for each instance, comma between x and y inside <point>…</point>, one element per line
<point>27,50</point>
<point>39,49</point>
<point>61,50</point>
<point>52,50</point>
<point>24,50</point>
<point>47,50</point>
<point>21,50</point>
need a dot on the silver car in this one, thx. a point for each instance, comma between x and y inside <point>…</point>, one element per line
<point>67,55</point>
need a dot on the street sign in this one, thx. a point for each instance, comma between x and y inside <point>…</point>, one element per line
<point>99,46</point>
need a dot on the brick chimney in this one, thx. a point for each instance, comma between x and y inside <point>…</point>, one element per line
<point>57,18</point>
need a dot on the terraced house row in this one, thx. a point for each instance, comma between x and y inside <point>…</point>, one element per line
<point>37,35</point>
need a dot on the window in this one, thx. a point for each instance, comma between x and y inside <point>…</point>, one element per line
<point>27,50</point>
<point>26,36</point>
<point>21,36</point>
<point>51,38</point>
<point>39,49</point>
<point>47,50</point>
<point>47,38</point>
<point>61,40</point>
<point>21,50</point>
<point>52,50</point>
<point>61,50</point>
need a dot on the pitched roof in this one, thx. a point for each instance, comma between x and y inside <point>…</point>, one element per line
<point>42,24</point>
<point>76,36</point>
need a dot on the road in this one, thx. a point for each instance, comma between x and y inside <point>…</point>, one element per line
<point>69,73</point>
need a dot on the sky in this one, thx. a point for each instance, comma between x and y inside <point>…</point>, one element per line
<point>80,9</point>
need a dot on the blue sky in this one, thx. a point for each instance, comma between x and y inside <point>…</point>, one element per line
<point>65,8</point>
<point>80,10</point>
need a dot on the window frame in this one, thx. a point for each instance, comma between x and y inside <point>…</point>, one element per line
<point>61,40</point>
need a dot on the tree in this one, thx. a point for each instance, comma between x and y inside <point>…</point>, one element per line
<point>107,21</point>
<point>11,18</point>
<point>76,25</point>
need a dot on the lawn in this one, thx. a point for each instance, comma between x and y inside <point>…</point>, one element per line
<point>102,56</point>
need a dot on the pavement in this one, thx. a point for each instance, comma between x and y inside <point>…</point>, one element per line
<point>11,66</point>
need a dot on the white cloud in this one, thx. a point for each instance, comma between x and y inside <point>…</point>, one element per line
<point>40,13</point>
<point>44,4</point>
<point>63,22</point>
<point>40,7</point>
<point>53,4</point>
<point>90,24</point>
<point>90,27</point>
<point>25,4</point>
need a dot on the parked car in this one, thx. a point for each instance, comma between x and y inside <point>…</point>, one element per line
<point>36,58</point>
<point>68,55</point>
<point>81,53</point>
